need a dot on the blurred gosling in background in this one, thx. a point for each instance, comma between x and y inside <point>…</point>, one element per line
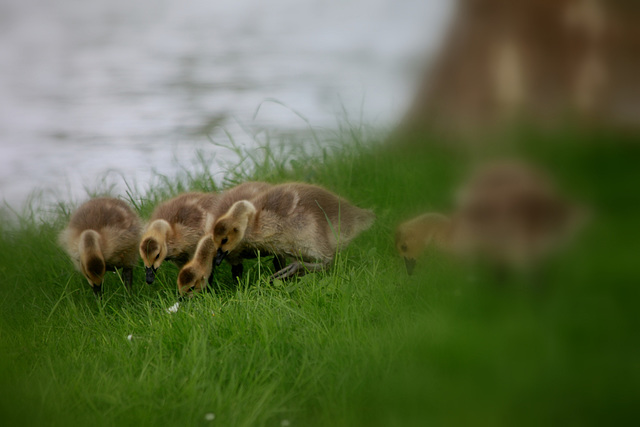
<point>417,234</point>
<point>511,213</point>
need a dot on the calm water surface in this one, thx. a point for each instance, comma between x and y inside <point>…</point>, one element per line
<point>136,87</point>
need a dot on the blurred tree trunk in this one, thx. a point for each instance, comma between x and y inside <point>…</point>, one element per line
<point>544,61</point>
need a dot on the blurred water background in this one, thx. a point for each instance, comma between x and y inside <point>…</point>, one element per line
<point>125,90</point>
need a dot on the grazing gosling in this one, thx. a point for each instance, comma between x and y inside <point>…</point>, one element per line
<point>300,221</point>
<point>174,230</point>
<point>102,235</point>
<point>200,268</point>
<point>415,235</point>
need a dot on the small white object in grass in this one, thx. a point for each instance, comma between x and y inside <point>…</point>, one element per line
<point>173,308</point>
<point>285,423</point>
<point>210,416</point>
<point>130,337</point>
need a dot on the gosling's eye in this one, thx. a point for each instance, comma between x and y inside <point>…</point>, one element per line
<point>404,247</point>
<point>225,240</point>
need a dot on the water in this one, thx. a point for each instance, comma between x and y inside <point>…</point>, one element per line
<point>90,86</point>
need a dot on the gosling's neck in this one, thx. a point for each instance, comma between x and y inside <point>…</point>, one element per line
<point>162,228</point>
<point>90,243</point>
<point>91,254</point>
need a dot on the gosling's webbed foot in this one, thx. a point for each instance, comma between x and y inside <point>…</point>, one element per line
<point>285,272</point>
<point>298,268</point>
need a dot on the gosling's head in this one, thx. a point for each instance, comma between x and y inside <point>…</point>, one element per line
<point>194,275</point>
<point>413,236</point>
<point>153,247</point>
<point>409,246</point>
<point>230,229</point>
<point>91,259</point>
<point>192,279</point>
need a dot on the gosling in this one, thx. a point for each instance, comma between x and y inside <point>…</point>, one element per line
<point>429,229</point>
<point>513,215</point>
<point>102,235</point>
<point>174,230</point>
<point>299,221</point>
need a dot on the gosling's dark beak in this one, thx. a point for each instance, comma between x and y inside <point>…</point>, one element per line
<point>410,263</point>
<point>97,290</point>
<point>220,256</point>
<point>151,275</point>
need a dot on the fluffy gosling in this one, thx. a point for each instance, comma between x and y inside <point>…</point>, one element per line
<point>512,215</point>
<point>102,234</point>
<point>414,236</point>
<point>174,229</point>
<point>300,221</point>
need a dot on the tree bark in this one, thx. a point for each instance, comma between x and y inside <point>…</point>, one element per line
<point>542,61</point>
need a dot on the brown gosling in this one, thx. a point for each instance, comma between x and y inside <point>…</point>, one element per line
<point>102,234</point>
<point>511,214</point>
<point>415,235</point>
<point>195,275</point>
<point>200,268</point>
<point>174,229</point>
<point>299,221</point>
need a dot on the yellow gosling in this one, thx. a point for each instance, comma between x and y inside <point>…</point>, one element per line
<point>415,235</point>
<point>174,230</point>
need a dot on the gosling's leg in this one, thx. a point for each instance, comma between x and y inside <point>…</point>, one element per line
<point>236,271</point>
<point>209,286</point>
<point>127,275</point>
<point>213,268</point>
<point>299,268</point>
<point>279,262</point>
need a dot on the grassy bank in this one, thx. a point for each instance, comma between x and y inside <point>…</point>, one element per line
<point>362,344</point>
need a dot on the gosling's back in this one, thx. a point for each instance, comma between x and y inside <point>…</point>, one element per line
<point>309,217</point>
<point>188,209</point>
<point>117,224</point>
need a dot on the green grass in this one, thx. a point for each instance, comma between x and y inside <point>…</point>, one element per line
<point>360,345</point>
